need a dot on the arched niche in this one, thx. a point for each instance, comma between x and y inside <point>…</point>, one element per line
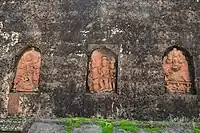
<point>178,69</point>
<point>102,71</point>
<point>27,71</point>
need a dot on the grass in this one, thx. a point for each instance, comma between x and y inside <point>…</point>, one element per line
<point>196,128</point>
<point>106,124</point>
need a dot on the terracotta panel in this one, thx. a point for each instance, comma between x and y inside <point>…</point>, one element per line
<point>176,72</point>
<point>101,72</point>
<point>28,71</point>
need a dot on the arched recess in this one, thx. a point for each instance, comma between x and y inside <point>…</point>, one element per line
<point>178,68</point>
<point>102,71</point>
<point>27,71</point>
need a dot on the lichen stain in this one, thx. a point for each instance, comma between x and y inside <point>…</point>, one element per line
<point>11,37</point>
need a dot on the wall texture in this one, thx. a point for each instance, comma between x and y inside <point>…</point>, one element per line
<point>138,31</point>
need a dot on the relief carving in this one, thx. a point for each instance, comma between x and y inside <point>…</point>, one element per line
<point>28,71</point>
<point>176,73</point>
<point>102,71</point>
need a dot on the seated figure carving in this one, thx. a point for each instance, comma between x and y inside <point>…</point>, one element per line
<point>101,76</point>
<point>28,71</point>
<point>176,73</point>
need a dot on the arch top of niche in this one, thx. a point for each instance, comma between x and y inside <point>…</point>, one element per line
<point>185,51</point>
<point>114,48</point>
<point>104,51</point>
<point>27,72</point>
<point>178,69</point>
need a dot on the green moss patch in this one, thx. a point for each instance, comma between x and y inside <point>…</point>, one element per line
<point>108,124</point>
<point>196,128</point>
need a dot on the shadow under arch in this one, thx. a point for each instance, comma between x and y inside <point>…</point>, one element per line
<point>189,59</point>
<point>17,60</point>
<point>108,53</point>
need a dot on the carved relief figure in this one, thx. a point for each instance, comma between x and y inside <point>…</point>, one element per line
<point>101,76</point>
<point>176,72</point>
<point>112,72</point>
<point>28,71</point>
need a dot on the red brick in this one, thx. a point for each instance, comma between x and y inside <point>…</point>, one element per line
<point>13,104</point>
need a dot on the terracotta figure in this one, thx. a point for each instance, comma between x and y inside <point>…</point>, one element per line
<point>105,80</point>
<point>112,73</point>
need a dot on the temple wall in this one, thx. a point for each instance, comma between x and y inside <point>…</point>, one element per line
<point>137,31</point>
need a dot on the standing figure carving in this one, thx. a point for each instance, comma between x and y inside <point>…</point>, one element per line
<point>28,71</point>
<point>176,73</point>
<point>102,71</point>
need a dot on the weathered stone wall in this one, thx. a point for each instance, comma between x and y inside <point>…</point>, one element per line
<point>63,29</point>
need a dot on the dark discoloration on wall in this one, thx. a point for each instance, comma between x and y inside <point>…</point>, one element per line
<point>62,30</point>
